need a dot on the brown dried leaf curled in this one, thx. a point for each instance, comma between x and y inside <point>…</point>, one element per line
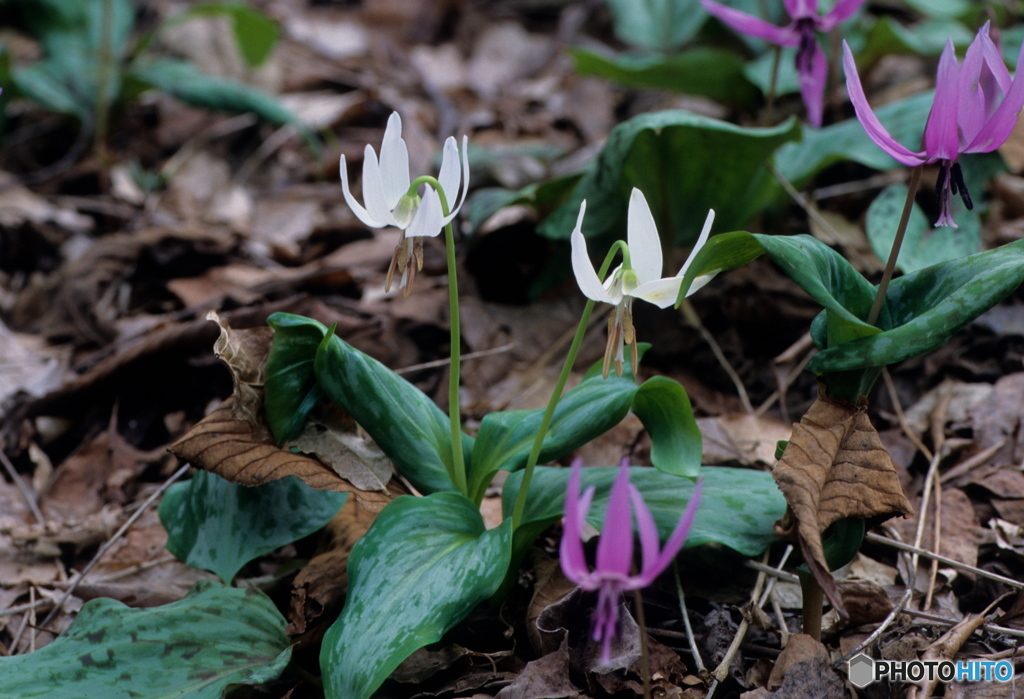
<point>225,445</point>
<point>835,467</point>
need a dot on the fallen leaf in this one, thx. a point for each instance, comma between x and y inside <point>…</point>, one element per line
<point>547,677</point>
<point>959,531</point>
<point>834,467</point>
<point>352,455</point>
<point>551,588</point>
<point>224,445</point>
<point>741,439</point>
<point>998,418</point>
<point>946,648</point>
<point>244,352</point>
<point>804,671</point>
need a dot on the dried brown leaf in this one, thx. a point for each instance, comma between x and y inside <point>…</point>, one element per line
<point>804,671</point>
<point>946,648</point>
<point>223,444</point>
<point>834,467</point>
<point>551,588</point>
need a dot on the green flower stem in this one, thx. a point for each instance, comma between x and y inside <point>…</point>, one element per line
<point>897,243</point>
<point>556,394</point>
<point>457,470</point>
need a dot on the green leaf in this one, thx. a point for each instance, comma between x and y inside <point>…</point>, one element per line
<point>685,164</point>
<point>926,38</point>
<point>714,73</point>
<point>420,569</point>
<point>216,525</point>
<point>923,245</point>
<point>290,390</point>
<point>661,25</point>
<point>664,408</point>
<point>187,83</point>
<point>408,427</point>
<point>759,72</point>
<point>941,8</point>
<point>928,306</point>
<point>820,148</point>
<point>255,33</point>
<point>543,197</point>
<point>738,506</point>
<point>214,637</point>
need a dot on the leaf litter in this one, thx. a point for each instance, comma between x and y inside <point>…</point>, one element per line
<point>107,359</point>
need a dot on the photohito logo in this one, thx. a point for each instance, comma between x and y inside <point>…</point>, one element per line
<point>864,670</point>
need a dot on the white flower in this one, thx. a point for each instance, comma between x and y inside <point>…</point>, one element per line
<point>639,278</point>
<point>390,203</point>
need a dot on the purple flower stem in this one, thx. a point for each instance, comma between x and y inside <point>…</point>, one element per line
<point>897,243</point>
<point>645,657</point>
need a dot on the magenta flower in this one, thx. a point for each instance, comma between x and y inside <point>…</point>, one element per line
<point>810,61</point>
<point>615,546</point>
<point>975,109</point>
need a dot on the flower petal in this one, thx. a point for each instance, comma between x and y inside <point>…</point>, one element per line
<point>648,533</point>
<point>356,207</point>
<point>465,181</point>
<point>751,25</point>
<point>642,239</point>
<point>999,126</point>
<point>801,9</point>
<point>426,222</point>
<point>451,172</point>
<point>872,126</point>
<point>570,551</point>
<point>839,13</point>
<point>678,538</point>
<point>615,547</point>
<point>812,85</point>
<point>586,275</point>
<point>373,190</point>
<point>941,135</point>
<point>663,292</point>
<point>394,162</point>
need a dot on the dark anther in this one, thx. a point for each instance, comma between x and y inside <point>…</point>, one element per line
<point>940,181</point>
<point>957,182</point>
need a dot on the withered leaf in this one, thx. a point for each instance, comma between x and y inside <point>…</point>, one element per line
<point>223,444</point>
<point>804,671</point>
<point>244,352</point>
<point>834,467</point>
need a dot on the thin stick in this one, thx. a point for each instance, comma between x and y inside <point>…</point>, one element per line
<point>899,545</point>
<point>780,618</point>
<point>645,658</point>
<point>110,542</point>
<point>686,620</point>
<point>26,492</point>
<point>938,421</point>
<point>937,545</point>
<point>693,319</point>
<point>972,463</point>
<point>897,243</point>
<point>444,362</point>
<point>901,417</point>
<point>809,208</point>
<point>41,602</point>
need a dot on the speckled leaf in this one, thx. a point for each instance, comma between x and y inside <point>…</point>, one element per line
<point>738,506</point>
<point>422,567</point>
<point>217,525</point>
<point>214,637</point>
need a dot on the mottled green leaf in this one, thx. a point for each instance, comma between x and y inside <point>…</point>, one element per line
<point>214,637</point>
<point>290,388</point>
<point>738,506</point>
<point>923,244</point>
<point>664,408</point>
<point>661,25</point>
<point>217,525</point>
<point>685,164</point>
<point>925,38</point>
<point>420,569</point>
<point>255,33</point>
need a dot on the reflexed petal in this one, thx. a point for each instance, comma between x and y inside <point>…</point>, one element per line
<point>678,538</point>
<point>840,12</point>
<point>426,222</point>
<point>586,275</point>
<point>941,137</point>
<point>574,562</point>
<point>812,86</point>
<point>615,547</point>
<point>648,532</point>
<point>752,26</point>
<point>394,162</point>
<point>356,207</point>
<point>465,181</point>
<point>373,190</point>
<point>663,292</point>
<point>999,126</point>
<point>801,9</point>
<point>642,239</point>
<point>972,111</point>
<point>872,126</point>
<point>451,171</point>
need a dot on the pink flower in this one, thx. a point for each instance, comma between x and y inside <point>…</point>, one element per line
<point>611,577</point>
<point>975,109</point>
<point>810,61</point>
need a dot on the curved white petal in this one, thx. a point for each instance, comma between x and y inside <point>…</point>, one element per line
<point>586,275</point>
<point>661,292</point>
<point>450,173</point>
<point>465,181</point>
<point>356,207</point>
<point>373,190</point>
<point>394,162</point>
<point>709,220</point>
<point>642,238</point>
<point>427,220</point>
